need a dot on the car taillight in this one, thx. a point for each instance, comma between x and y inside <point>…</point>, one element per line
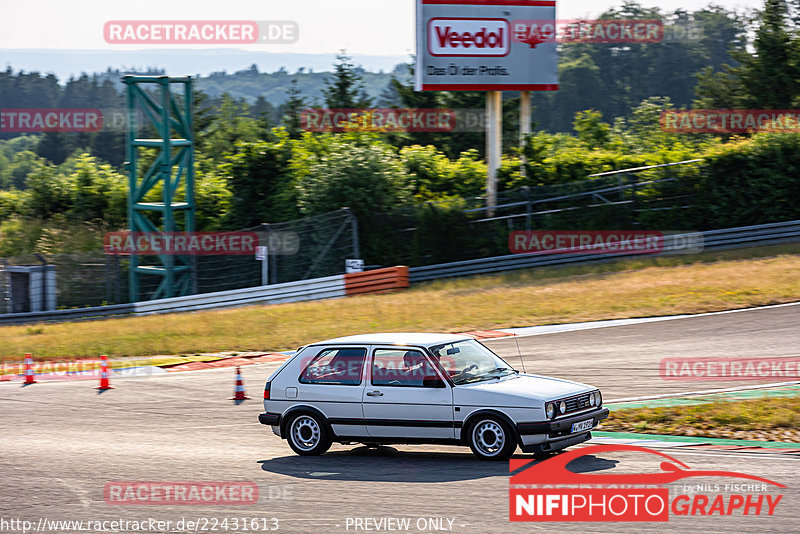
<point>266,390</point>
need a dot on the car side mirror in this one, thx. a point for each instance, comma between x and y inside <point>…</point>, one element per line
<point>432,381</point>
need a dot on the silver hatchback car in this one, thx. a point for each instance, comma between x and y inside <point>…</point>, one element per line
<point>423,388</point>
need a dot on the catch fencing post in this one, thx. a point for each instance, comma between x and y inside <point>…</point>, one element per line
<point>262,255</point>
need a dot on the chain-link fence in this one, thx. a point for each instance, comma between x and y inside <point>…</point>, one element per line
<point>71,281</point>
<point>297,250</point>
<point>657,197</point>
<point>307,248</point>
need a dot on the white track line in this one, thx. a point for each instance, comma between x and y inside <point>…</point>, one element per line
<point>704,392</point>
<point>526,331</point>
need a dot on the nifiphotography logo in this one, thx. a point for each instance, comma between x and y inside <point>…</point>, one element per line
<point>548,491</point>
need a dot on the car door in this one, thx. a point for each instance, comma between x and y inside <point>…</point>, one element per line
<point>405,396</point>
<point>333,381</point>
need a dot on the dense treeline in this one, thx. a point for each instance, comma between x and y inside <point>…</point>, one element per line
<point>255,164</point>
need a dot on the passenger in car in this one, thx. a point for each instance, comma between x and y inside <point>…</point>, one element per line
<point>413,373</point>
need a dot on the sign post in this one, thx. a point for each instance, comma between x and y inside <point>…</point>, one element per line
<point>353,266</point>
<point>524,128</point>
<point>494,145</point>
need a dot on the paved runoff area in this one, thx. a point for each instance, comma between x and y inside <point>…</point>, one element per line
<point>169,452</point>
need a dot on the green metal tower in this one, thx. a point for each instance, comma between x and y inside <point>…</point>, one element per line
<point>160,199</point>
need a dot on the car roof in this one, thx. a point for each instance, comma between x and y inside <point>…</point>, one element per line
<point>399,338</point>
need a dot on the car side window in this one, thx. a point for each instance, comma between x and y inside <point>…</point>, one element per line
<point>340,366</point>
<point>393,367</point>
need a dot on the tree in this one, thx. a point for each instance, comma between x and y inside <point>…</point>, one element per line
<point>463,103</point>
<point>771,76</point>
<point>435,177</point>
<point>591,129</point>
<point>264,112</point>
<point>48,192</point>
<point>98,192</point>
<point>22,164</point>
<point>202,111</point>
<point>257,174</point>
<point>232,124</point>
<point>354,170</point>
<point>767,78</point>
<point>346,88</point>
<point>292,110</point>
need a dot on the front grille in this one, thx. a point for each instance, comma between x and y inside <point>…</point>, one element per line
<point>577,403</point>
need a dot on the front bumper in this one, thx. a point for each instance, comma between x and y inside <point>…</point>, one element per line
<point>561,427</point>
<point>556,445</point>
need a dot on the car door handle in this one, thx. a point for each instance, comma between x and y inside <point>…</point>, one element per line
<point>375,394</point>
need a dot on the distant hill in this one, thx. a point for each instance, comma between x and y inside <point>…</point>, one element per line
<point>219,70</point>
<point>251,84</point>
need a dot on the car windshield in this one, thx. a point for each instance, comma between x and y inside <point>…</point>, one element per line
<point>469,361</point>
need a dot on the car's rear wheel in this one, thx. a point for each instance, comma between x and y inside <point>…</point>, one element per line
<point>307,435</point>
<point>490,438</point>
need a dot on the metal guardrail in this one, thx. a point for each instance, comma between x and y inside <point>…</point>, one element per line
<point>99,312</point>
<point>336,286</point>
<point>315,289</point>
<point>746,236</point>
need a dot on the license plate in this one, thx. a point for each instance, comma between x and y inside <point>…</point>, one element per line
<point>582,425</point>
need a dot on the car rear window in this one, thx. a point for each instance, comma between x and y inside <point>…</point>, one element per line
<point>340,366</point>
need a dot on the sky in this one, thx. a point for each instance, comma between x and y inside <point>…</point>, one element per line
<point>374,27</point>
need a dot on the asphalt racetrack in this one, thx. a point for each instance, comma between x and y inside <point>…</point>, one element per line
<point>62,442</point>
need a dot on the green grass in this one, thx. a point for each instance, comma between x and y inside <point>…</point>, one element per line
<point>638,287</point>
<point>776,419</point>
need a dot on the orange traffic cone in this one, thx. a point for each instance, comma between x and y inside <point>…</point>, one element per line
<point>238,390</point>
<point>29,374</point>
<point>104,385</point>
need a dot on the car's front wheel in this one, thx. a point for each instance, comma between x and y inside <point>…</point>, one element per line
<point>307,435</point>
<point>490,438</point>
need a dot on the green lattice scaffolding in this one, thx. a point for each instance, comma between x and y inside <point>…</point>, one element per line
<point>160,199</point>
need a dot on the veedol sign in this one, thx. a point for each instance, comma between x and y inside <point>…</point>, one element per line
<point>468,38</point>
<point>468,45</point>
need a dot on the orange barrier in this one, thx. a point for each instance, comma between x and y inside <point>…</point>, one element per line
<point>379,280</point>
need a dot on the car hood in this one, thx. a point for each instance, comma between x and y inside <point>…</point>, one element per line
<point>517,390</point>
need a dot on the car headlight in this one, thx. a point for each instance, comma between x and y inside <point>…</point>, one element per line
<point>562,408</point>
<point>551,410</point>
<point>599,399</point>
<point>592,400</point>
